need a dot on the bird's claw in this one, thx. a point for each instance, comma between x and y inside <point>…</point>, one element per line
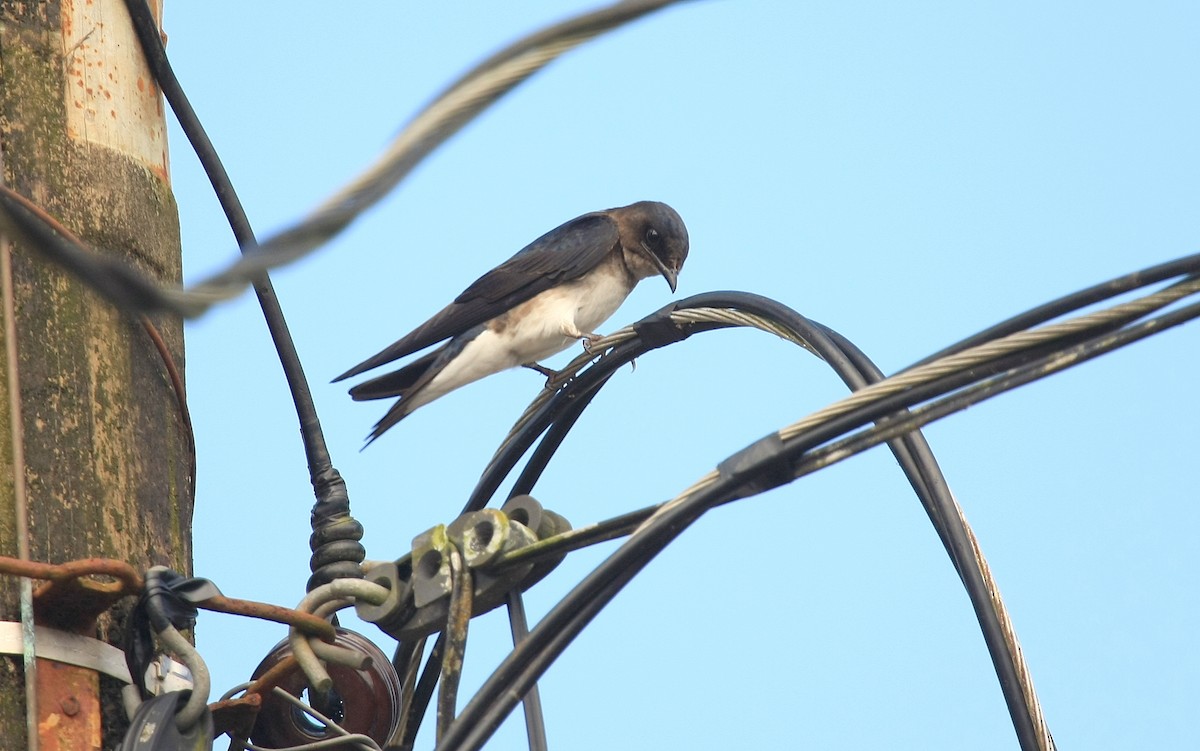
<point>589,343</point>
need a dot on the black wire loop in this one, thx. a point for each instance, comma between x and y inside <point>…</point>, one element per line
<point>757,468</point>
<point>808,451</point>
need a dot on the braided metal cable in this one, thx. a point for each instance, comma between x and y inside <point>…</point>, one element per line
<point>991,351</point>
<point>1024,676</point>
<point>600,346</point>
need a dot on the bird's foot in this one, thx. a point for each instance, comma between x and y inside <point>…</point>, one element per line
<point>548,372</point>
<point>554,378</point>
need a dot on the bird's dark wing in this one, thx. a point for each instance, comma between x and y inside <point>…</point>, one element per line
<point>397,382</point>
<point>561,254</point>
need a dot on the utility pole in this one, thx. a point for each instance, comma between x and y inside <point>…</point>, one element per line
<point>97,464</point>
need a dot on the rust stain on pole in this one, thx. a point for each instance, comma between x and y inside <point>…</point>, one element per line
<point>68,707</point>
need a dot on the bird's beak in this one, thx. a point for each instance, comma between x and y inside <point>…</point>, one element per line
<point>670,275</point>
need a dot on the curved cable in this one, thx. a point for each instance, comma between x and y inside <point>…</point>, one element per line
<point>535,722</point>
<point>495,698</point>
<point>457,105</point>
<point>1072,302</point>
<point>1024,367</point>
<point>729,308</point>
<point>330,489</point>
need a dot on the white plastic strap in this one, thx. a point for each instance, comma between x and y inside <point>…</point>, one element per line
<point>68,648</point>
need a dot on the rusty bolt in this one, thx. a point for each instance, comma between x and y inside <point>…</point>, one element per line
<point>70,706</point>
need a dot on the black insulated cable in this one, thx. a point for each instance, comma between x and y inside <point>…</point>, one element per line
<point>332,509</point>
<point>1072,302</point>
<point>856,371</point>
<point>563,623</point>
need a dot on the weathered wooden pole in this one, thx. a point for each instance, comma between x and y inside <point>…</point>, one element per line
<point>106,465</point>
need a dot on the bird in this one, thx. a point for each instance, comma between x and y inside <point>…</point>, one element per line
<point>553,292</point>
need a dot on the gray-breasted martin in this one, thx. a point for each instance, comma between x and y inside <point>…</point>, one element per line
<point>556,290</point>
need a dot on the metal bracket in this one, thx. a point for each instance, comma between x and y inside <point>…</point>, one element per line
<point>420,583</point>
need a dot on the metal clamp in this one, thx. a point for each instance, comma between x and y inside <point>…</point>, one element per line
<point>419,584</point>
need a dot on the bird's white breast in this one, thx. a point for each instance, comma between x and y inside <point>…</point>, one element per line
<point>552,321</point>
<point>537,328</point>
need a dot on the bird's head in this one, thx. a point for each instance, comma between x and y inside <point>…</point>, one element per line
<point>654,239</point>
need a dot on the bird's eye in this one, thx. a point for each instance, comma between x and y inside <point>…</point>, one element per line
<point>651,236</point>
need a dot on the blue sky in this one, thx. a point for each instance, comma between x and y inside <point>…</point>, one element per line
<point>905,173</point>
